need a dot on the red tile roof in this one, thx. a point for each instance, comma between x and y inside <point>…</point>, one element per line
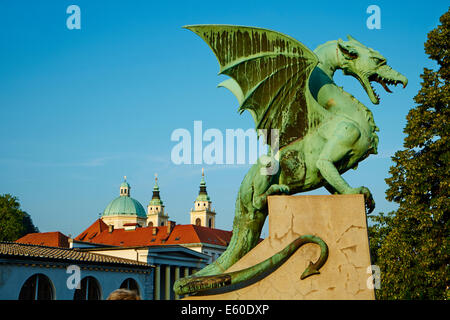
<point>96,228</point>
<point>50,239</point>
<point>181,234</point>
<point>27,251</point>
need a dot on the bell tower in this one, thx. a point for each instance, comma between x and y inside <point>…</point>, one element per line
<point>155,210</point>
<point>202,213</point>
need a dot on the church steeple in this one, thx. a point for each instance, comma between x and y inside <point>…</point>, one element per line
<point>155,209</point>
<point>156,199</point>
<point>202,213</point>
<point>203,194</point>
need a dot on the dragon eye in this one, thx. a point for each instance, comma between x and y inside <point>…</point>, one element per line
<point>378,60</point>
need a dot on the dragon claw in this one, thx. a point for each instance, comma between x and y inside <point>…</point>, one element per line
<point>278,189</point>
<point>368,199</point>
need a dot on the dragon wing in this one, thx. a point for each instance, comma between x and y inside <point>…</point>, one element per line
<point>269,75</point>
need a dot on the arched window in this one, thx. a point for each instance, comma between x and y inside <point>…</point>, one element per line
<point>130,284</point>
<point>89,290</point>
<point>37,287</point>
<point>150,224</point>
<point>210,222</point>
<point>198,222</point>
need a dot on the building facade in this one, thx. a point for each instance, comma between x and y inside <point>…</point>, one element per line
<point>126,214</point>
<point>34,272</point>
<point>126,232</point>
<point>170,263</point>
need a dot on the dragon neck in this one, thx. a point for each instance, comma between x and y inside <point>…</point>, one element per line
<point>329,57</point>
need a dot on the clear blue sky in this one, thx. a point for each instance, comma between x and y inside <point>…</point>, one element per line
<point>82,108</point>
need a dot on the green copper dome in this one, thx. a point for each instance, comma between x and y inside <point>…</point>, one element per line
<point>124,205</point>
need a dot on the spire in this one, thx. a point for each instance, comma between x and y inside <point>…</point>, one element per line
<point>156,199</point>
<point>202,182</point>
<point>156,187</point>
<point>203,194</point>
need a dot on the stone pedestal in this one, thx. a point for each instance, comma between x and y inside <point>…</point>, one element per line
<point>340,221</point>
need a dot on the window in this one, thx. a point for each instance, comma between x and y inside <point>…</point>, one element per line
<point>89,290</point>
<point>130,284</point>
<point>210,222</point>
<point>37,287</point>
<point>198,222</point>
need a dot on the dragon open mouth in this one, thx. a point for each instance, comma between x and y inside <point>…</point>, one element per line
<point>384,82</point>
<point>386,76</point>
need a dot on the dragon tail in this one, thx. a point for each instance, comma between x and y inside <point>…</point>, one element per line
<point>203,283</point>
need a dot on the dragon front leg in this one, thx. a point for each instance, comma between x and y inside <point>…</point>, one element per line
<point>250,214</point>
<point>341,143</point>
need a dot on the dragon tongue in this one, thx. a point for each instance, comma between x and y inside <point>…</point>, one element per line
<point>384,85</point>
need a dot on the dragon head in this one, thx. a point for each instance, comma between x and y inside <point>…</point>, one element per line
<point>367,65</point>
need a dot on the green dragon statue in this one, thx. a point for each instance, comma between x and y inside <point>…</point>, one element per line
<point>323,130</point>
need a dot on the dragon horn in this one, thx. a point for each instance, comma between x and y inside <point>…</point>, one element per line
<point>350,38</point>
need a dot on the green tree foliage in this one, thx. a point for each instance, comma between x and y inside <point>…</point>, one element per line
<point>378,231</point>
<point>14,223</point>
<point>411,246</point>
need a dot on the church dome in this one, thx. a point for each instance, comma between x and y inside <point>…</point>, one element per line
<point>124,204</point>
